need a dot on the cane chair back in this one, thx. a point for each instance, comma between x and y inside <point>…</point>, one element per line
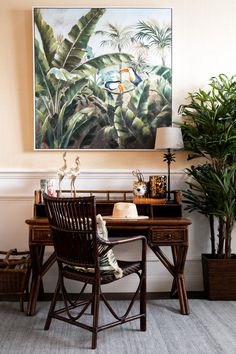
<point>73,222</point>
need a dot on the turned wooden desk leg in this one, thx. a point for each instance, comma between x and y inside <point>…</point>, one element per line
<point>34,290</point>
<point>174,290</point>
<point>37,253</point>
<point>179,278</point>
<point>183,300</point>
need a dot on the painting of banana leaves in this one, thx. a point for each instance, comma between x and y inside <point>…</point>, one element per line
<point>102,77</point>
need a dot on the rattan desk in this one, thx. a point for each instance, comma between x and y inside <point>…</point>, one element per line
<point>160,231</point>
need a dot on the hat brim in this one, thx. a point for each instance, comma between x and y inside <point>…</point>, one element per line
<point>117,218</point>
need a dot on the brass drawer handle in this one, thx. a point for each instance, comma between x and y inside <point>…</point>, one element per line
<point>49,235</point>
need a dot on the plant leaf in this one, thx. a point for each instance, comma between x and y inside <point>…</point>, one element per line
<point>73,48</point>
<point>47,36</point>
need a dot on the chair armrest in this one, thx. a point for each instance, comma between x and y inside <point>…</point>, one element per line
<point>123,241</point>
<point>111,244</point>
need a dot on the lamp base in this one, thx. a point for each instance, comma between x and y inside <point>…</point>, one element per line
<point>176,199</point>
<point>171,201</point>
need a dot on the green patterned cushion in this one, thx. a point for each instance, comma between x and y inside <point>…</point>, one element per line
<point>108,262</point>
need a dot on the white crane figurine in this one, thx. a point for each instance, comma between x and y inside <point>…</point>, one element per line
<point>62,171</point>
<point>73,173</point>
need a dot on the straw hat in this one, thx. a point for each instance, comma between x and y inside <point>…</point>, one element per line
<point>124,210</point>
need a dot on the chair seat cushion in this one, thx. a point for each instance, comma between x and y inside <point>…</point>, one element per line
<point>127,268</point>
<point>78,273</point>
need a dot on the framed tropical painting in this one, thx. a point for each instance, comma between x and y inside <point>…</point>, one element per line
<point>102,77</point>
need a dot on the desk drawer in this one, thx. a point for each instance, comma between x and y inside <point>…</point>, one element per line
<point>41,235</point>
<point>166,235</point>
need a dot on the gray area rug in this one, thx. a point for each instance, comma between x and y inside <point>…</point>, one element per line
<point>210,328</point>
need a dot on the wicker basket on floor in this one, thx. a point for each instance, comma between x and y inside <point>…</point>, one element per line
<point>14,274</point>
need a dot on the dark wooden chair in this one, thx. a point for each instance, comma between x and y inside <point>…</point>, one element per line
<point>77,244</point>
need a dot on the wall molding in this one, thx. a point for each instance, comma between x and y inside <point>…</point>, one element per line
<point>16,198</point>
<point>22,183</point>
<point>35,173</point>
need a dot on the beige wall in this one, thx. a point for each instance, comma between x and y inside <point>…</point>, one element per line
<point>204,45</point>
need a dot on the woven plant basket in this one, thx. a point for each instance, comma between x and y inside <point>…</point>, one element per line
<point>14,273</point>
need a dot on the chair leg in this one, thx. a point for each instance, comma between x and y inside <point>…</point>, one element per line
<point>95,306</point>
<point>21,303</point>
<point>92,305</point>
<point>143,304</point>
<point>52,307</point>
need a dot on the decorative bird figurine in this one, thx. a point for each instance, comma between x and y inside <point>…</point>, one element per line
<point>73,173</point>
<point>62,171</point>
<point>133,77</point>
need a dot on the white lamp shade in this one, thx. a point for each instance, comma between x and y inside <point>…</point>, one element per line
<point>169,138</point>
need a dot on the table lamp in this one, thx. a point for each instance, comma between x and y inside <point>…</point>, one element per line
<point>169,138</point>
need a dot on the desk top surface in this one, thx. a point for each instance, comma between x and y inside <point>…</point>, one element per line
<point>151,221</point>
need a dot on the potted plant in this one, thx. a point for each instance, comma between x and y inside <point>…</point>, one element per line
<point>209,131</point>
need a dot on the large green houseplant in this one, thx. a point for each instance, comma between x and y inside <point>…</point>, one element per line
<point>209,130</point>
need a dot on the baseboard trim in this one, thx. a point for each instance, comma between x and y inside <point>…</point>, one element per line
<point>115,296</point>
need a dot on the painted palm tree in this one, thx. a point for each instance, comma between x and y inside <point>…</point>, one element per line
<point>118,37</point>
<point>155,36</point>
<point>141,52</point>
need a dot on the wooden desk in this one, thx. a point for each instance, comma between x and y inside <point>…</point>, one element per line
<point>160,231</point>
